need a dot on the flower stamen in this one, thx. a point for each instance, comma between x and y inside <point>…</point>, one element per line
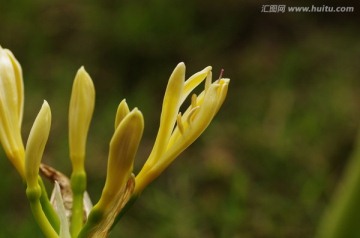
<point>208,81</point>
<point>192,114</point>
<point>180,124</point>
<point>221,73</point>
<point>193,101</point>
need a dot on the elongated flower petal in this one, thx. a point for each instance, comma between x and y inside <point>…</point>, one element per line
<point>11,109</point>
<point>193,82</point>
<point>170,109</point>
<point>36,144</point>
<point>119,183</point>
<point>19,85</point>
<point>80,113</point>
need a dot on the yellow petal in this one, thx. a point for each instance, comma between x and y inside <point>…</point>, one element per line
<point>170,109</point>
<point>188,117</point>
<point>212,102</point>
<point>19,84</point>
<point>11,109</point>
<point>36,144</point>
<point>82,104</point>
<point>193,82</point>
<point>122,111</point>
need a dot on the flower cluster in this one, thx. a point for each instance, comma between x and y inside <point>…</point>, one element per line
<point>69,212</point>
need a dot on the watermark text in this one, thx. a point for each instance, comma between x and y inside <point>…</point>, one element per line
<point>312,8</point>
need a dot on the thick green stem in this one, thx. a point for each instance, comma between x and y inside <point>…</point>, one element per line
<point>34,194</point>
<point>78,185</point>
<point>42,220</point>
<point>94,218</point>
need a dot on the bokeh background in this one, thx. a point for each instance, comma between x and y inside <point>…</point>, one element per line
<point>270,161</point>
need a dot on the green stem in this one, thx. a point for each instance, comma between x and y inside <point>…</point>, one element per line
<point>34,194</point>
<point>48,208</point>
<point>77,215</point>
<point>42,220</point>
<point>78,185</point>
<point>94,219</point>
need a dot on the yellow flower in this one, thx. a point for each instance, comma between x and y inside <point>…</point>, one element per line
<point>11,109</point>
<point>123,148</point>
<point>82,104</point>
<point>36,144</point>
<point>170,141</point>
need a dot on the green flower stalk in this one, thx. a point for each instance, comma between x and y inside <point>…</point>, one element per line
<point>75,216</point>
<point>81,108</point>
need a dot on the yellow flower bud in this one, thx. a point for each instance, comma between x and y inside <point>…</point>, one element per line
<point>123,148</point>
<point>11,109</point>
<point>36,144</point>
<point>119,184</point>
<point>82,104</point>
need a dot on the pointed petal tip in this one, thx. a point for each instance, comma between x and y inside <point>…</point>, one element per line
<point>137,112</point>
<point>123,105</point>
<point>121,113</point>
<point>45,103</point>
<point>83,79</point>
<point>45,106</point>
<point>82,68</point>
<point>82,71</point>
<point>136,109</point>
<point>178,75</point>
<point>180,66</point>
<point>137,115</point>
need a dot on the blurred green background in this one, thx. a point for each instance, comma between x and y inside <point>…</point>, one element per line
<point>270,161</point>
